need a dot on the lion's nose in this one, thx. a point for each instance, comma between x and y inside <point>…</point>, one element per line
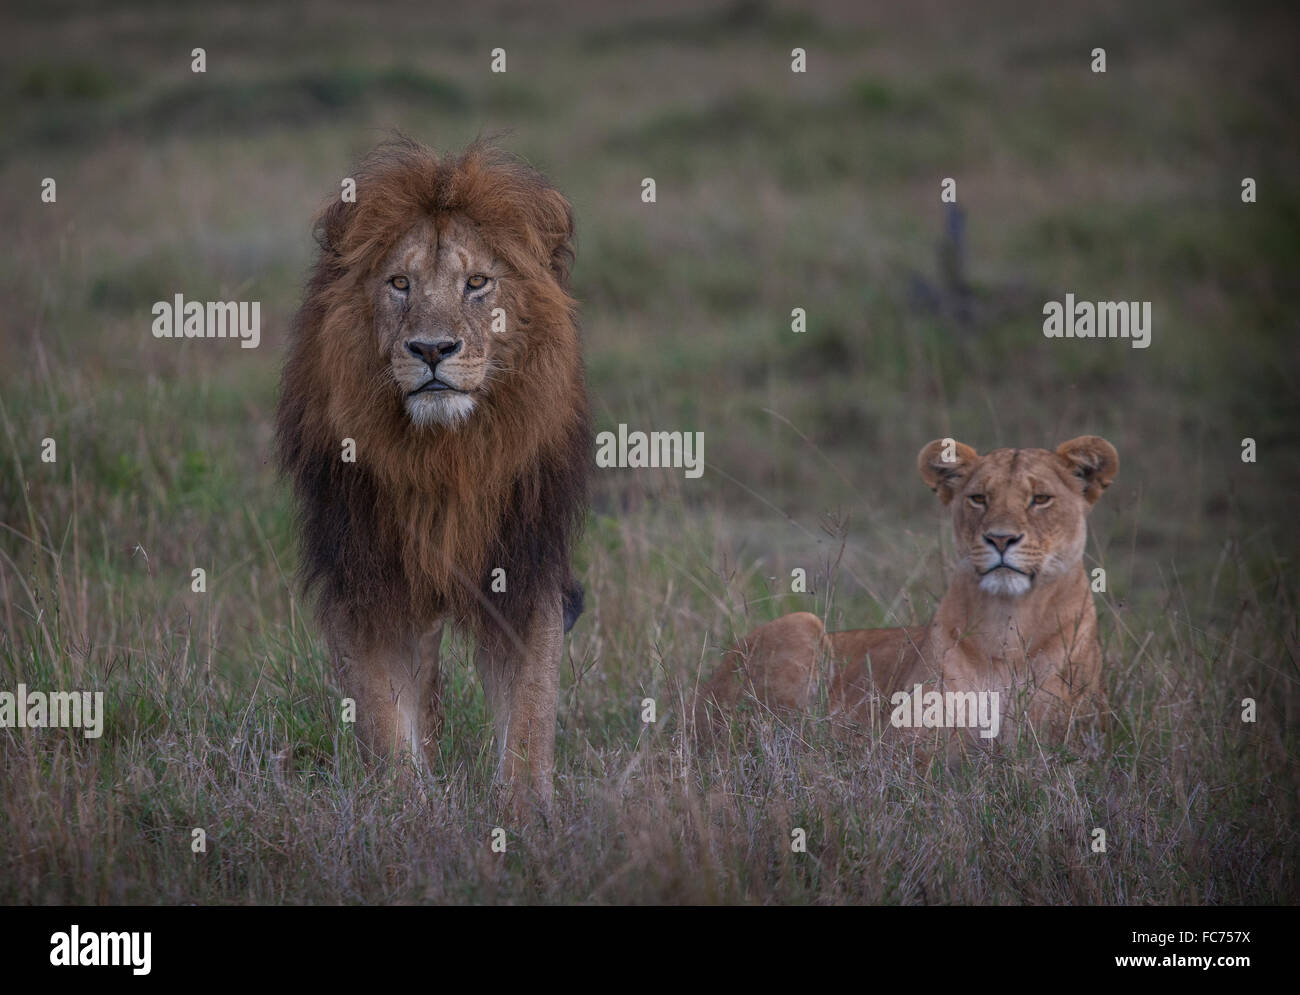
<point>435,352</point>
<point>1002,541</point>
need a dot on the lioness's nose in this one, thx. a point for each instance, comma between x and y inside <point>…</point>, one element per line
<point>1001,541</point>
<point>434,352</point>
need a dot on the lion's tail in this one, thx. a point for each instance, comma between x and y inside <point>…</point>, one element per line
<point>573,602</point>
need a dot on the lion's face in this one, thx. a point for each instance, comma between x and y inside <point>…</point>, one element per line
<point>434,294</point>
<point>1019,515</point>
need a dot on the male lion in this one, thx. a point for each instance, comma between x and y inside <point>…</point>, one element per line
<point>433,418</point>
<point>1017,619</point>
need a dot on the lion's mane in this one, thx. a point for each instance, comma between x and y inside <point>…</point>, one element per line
<point>413,529</point>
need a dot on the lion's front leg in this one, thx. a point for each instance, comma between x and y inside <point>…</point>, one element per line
<point>396,685</point>
<point>522,685</point>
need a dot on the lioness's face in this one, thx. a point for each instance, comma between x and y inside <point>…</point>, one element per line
<point>1019,515</point>
<point>434,296</point>
<point>1018,519</point>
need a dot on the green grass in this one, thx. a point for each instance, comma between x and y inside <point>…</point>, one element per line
<point>774,191</point>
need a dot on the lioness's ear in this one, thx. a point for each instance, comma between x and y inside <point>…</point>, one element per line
<point>1093,460</point>
<point>944,464</point>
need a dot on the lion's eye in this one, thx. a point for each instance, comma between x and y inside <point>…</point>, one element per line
<point>476,282</point>
<point>1042,499</point>
<point>978,500</point>
<point>400,283</point>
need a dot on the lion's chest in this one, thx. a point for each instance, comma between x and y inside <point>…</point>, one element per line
<point>1007,665</point>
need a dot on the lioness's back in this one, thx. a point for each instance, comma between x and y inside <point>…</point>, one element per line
<point>869,659</point>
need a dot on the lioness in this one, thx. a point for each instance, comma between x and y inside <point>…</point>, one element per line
<point>1017,619</point>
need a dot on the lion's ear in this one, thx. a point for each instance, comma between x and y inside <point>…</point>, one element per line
<point>944,464</point>
<point>555,222</point>
<point>1093,461</point>
<point>332,225</point>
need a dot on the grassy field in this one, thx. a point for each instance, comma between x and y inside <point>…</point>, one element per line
<point>775,190</point>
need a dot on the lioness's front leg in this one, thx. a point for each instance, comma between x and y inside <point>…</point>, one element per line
<point>395,683</point>
<point>522,685</point>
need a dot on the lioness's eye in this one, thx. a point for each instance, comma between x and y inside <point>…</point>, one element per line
<point>1041,499</point>
<point>400,283</point>
<point>978,500</point>
<point>476,282</point>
